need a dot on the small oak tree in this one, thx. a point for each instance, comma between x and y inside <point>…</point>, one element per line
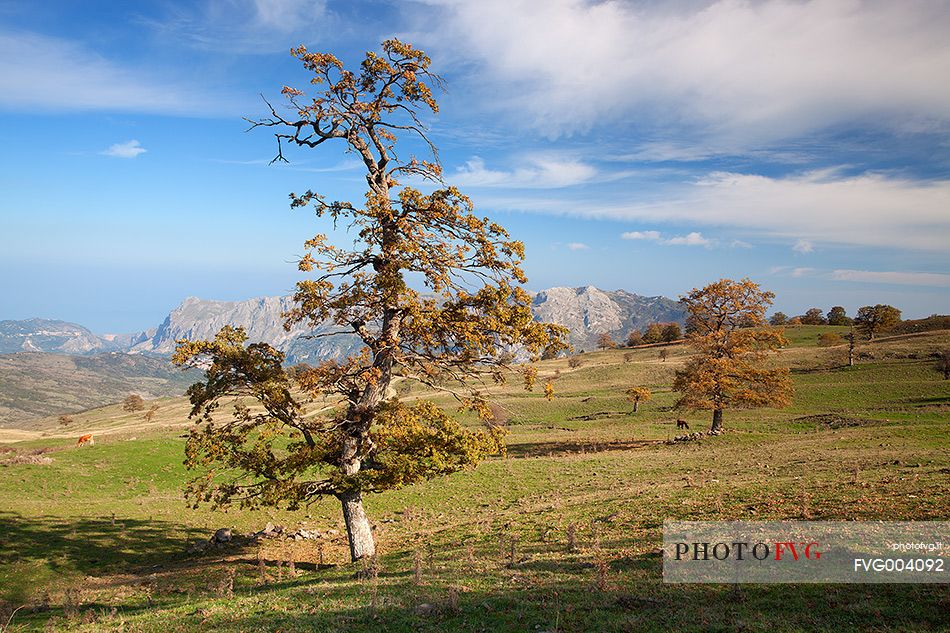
<point>152,410</point>
<point>65,420</point>
<point>872,320</point>
<point>779,318</point>
<point>474,309</point>
<point>634,338</point>
<point>636,395</point>
<point>604,341</point>
<point>672,332</point>
<point>838,316</point>
<point>732,342</point>
<point>133,403</point>
<point>813,316</point>
<point>653,333</point>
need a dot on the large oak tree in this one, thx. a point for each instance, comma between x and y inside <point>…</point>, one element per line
<point>731,340</point>
<point>455,332</point>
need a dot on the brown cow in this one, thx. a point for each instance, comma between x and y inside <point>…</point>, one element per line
<point>85,439</point>
<point>681,424</point>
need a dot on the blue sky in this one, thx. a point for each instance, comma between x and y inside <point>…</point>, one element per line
<point>651,146</point>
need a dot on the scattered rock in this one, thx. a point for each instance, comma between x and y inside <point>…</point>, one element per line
<point>695,435</point>
<point>223,535</point>
<point>39,460</point>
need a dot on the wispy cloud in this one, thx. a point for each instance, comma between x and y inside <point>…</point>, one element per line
<point>693,238</point>
<point>129,149</point>
<point>640,235</point>
<point>702,64</point>
<point>539,171</point>
<point>801,272</point>
<point>803,246</point>
<point>577,246</point>
<point>690,239</point>
<point>48,73</point>
<point>824,206</point>
<point>939,280</point>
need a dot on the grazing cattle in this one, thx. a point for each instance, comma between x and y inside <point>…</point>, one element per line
<point>85,439</point>
<point>681,424</point>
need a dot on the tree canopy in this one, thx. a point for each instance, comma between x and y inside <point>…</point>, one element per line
<point>731,341</point>
<point>457,330</point>
<point>636,395</point>
<point>872,320</point>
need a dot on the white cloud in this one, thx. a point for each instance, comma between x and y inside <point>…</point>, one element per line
<point>940,280</point>
<point>43,72</point>
<point>540,171</point>
<point>641,235</point>
<point>802,272</point>
<point>129,149</point>
<point>803,246</point>
<point>690,239</point>
<point>870,209</point>
<point>577,246</point>
<point>747,72</point>
<point>739,244</point>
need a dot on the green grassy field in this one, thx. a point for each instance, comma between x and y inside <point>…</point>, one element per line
<point>561,535</point>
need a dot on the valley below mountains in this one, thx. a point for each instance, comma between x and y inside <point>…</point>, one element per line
<point>49,367</point>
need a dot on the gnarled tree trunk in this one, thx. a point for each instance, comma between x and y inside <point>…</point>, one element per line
<point>358,529</point>
<point>717,420</point>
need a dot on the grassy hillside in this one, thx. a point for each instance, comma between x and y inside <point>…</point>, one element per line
<point>561,535</point>
<point>34,385</point>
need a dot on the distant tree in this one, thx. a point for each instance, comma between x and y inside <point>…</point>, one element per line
<point>636,395</point>
<point>634,338</point>
<point>152,410</point>
<point>574,362</point>
<point>794,321</point>
<point>829,339</point>
<point>653,333</point>
<point>943,363</point>
<point>473,306</point>
<point>65,420</point>
<point>627,357</point>
<point>730,367</point>
<point>813,316</point>
<point>872,320</point>
<point>663,354</point>
<point>838,316</point>
<point>604,341</point>
<point>671,332</point>
<point>778,319</point>
<point>133,403</point>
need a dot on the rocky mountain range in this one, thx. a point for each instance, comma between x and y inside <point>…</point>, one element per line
<point>46,335</point>
<point>587,311</point>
